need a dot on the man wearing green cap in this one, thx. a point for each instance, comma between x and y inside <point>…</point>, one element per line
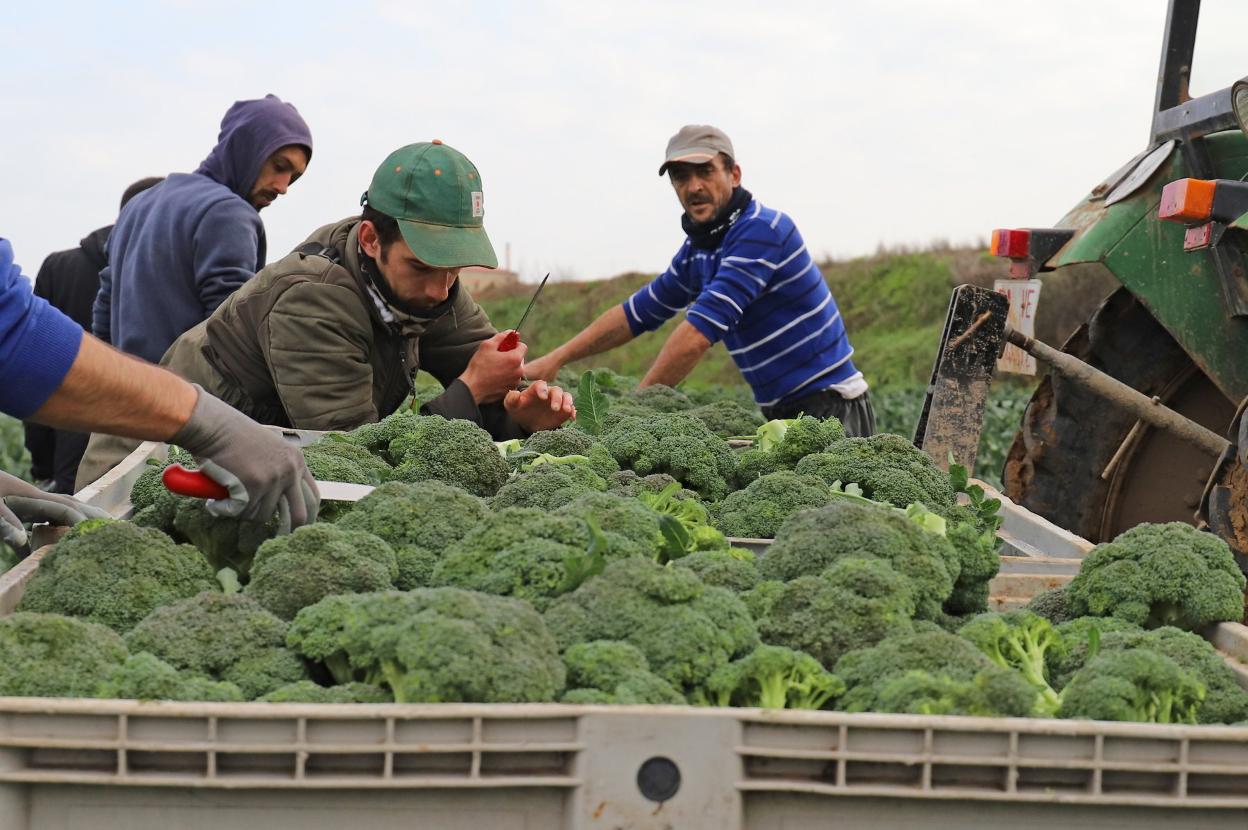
<point>330,336</point>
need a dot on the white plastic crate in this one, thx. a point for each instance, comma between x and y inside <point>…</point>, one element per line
<point>77,764</point>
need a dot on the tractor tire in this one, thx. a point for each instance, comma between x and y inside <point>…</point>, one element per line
<point>1084,464</point>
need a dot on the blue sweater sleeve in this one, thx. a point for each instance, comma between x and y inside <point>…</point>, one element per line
<point>225,251</point>
<point>38,343</point>
<point>658,300</point>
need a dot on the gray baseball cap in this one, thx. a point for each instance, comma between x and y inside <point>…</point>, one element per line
<point>696,144</point>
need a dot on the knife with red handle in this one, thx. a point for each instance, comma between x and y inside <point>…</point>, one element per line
<point>512,340</point>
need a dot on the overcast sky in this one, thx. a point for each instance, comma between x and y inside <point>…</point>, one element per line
<point>891,122</point>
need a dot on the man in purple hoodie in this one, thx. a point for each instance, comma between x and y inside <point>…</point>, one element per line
<point>179,249</point>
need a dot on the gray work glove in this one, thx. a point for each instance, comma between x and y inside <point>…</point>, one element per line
<point>264,473</point>
<point>22,502</point>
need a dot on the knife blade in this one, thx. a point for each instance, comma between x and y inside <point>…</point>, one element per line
<point>197,484</point>
<point>512,340</point>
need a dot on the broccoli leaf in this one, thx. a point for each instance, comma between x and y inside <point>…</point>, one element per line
<point>591,405</point>
<point>676,539</point>
<point>772,433</point>
<point>581,566</point>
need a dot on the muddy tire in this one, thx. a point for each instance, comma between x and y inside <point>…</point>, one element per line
<point>1060,462</point>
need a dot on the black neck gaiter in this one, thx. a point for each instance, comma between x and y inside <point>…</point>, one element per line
<point>369,267</point>
<point>709,234</point>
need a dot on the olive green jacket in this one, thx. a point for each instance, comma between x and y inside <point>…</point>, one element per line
<point>311,343</point>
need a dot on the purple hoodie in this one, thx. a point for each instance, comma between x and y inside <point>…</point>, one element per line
<point>180,248</point>
<point>251,131</point>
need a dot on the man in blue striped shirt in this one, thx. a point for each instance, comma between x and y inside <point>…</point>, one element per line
<point>743,276</point>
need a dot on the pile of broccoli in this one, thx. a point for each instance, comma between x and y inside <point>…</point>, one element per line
<point>595,564</point>
<point>419,521</point>
<point>675,443</point>
<point>433,645</point>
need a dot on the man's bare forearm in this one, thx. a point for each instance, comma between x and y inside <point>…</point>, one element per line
<point>608,331</point>
<point>107,391</point>
<point>682,351</point>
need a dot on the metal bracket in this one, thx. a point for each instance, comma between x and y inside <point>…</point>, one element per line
<point>953,410</point>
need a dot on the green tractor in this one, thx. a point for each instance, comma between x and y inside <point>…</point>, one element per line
<point>1175,327</point>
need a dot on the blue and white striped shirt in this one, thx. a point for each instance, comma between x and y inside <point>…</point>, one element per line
<point>762,294</point>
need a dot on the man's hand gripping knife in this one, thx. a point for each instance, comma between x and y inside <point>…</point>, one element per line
<point>263,473</point>
<point>495,372</point>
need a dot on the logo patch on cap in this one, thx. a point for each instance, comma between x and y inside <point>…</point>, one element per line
<point>478,204</point>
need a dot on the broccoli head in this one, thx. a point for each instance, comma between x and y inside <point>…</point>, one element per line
<point>630,527</point>
<point>115,573</point>
<point>685,629</point>
<point>151,502</point>
<point>758,511</point>
<point>147,677</point>
<point>525,553</point>
<point>549,485</point>
<point>1019,640</point>
<point>1051,605</point>
<point>1225,701</point>
<point>773,677</point>
<point>763,596</point>
<point>455,451</point>
<point>334,458</point>
<point>49,655</point>
<point>1079,637</point>
<point>568,441</point>
<point>535,570</point>
<point>377,437</point>
<point>498,529</point>
<point>988,694</point>
<point>628,483</point>
<point>419,521</point>
<point>305,691</point>
<point>731,568</point>
<point>1160,574</point>
<point>224,637</point>
<point>609,671</point>
<point>811,541</point>
<point>434,645</point>
<point>887,467</point>
<point>854,604</point>
<point>1134,684</point>
<point>224,541</point>
<point>659,398</point>
<point>978,561</point>
<point>317,560</point>
<point>781,443</point>
<point>954,677</point>
<point>728,419</point>
<point>677,444</point>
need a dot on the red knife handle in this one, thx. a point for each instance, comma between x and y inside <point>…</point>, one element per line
<point>510,341</point>
<point>193,483</point>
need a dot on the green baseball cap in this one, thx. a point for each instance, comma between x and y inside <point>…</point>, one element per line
<point>434,192</point>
